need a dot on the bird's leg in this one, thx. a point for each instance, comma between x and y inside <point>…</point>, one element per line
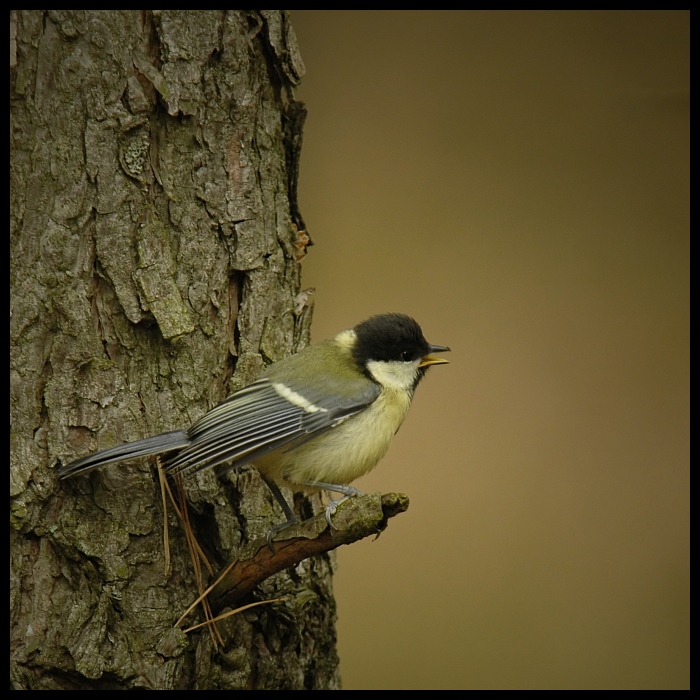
<point>291,517</point>
<point>332,506</point>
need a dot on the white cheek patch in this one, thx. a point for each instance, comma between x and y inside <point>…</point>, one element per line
<point>394,375</point>
<point>297,399</point>
<point>346,339</point>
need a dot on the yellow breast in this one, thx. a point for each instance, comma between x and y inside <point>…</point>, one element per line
<point>345,452</point>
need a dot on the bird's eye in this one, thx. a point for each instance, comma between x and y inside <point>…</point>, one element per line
<point>406,355</point>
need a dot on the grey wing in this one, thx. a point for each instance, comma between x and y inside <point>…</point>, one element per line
<point>259,419</point>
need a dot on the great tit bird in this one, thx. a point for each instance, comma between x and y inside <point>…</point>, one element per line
<point>317,420</point>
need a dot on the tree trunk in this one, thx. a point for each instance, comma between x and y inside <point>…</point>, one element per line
<point>155,241</point>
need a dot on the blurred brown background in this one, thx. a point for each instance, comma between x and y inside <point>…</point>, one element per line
<point>519,182</point>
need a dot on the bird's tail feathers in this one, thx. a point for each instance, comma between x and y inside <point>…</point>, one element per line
<point>141,448</point>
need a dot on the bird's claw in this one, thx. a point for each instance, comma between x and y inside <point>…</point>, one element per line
<point>332,507</point>
<point>278,528</point>
<point>330,510</point>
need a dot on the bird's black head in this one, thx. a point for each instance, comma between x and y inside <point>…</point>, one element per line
<point>389,337</point>
<point>391,350</point>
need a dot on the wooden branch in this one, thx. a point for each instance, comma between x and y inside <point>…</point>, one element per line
<point>356,518</point>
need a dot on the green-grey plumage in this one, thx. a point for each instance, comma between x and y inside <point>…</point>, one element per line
<point>343,389</point>
<point>318,419</point>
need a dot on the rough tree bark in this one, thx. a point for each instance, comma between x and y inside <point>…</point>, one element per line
<point>155,241</point>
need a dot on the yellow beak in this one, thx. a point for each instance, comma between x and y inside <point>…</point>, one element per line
<point>428,360</point>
